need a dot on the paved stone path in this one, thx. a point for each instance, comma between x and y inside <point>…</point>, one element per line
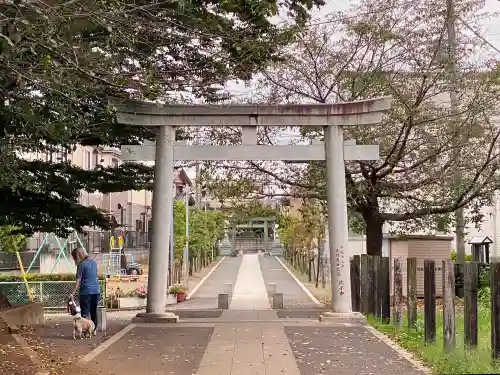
<point>249,338</point>
<point>206,296</point>
<point>293,295</point>
<point>250,291</point>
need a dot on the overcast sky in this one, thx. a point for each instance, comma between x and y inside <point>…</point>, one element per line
<point>491,33</point>
<point>491,30</point>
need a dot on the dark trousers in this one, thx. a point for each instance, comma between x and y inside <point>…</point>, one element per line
<point>88,305</point>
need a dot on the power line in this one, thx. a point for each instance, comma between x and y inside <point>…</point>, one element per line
<point>477,34</point>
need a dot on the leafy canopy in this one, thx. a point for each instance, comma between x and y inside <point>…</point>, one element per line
<point>398,50</point>
<point>61,60</point>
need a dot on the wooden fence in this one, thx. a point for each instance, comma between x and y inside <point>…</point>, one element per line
<point>371,295</point>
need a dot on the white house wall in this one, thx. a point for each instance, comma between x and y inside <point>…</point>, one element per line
<point>356,245</point>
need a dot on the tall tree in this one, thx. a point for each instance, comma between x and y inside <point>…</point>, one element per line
<point>61,60</point>
<point>397,49</point>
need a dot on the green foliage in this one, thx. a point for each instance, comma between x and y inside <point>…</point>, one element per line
<point>458,361</point>
<point>41,277</point>
<point>179,229</point>
<point>242,211</point>
<point>304,231</point>
<point>59,64</point>
<point>403,57</point>
<point>176,288</point>
<point>205,228</point>
<point>453,256</point>
<point>9,240</point>
<point>356,222</point>
<point>484,295</point>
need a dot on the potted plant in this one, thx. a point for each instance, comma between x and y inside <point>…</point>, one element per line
<point>179,291</point>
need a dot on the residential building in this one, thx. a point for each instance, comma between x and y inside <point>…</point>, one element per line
<point>130,209</point>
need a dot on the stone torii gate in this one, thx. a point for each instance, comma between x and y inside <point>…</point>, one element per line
<point>332,117</point>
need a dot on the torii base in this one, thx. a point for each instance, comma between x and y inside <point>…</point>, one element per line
<point>166,317</point>
<point>333,317</point>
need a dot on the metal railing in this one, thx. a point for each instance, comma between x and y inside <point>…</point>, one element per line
<point>53,294</point>
<point>94,241</point>
<point>8,261</point>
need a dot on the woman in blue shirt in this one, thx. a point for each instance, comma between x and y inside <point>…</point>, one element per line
<point>87,284</point>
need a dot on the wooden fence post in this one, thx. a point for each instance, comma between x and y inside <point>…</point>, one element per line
<point>449,335</point>
<point>377,305</point>
<point>355,283</point>
<point>371,302</point>
<point>429,301</point>
<point>385,290</point>
<point>470,304</point>
<point>365,287</point>
<point>398,293</point>
<point>411,291</point>
<point>495,309</point>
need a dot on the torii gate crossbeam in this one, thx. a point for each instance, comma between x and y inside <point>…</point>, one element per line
<point>332,117</point>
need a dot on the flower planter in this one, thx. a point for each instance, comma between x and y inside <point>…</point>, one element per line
<point>171,299</point>
<point>131,302</point>
<point>181,296</point>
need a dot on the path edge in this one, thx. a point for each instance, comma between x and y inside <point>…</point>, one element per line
<point>106,344</point>
<point>300,283</point>
<point>402,352</point>
<point>200,283</point>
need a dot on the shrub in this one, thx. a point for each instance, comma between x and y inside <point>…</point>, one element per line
<point>176,288</point>
<point>453,256</point>
<point>484,296</point>
<point>41,277</point>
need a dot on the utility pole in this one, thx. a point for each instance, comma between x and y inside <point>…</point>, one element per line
<point>452,71</point>
<point>197,185</point>
<point>186,249</point>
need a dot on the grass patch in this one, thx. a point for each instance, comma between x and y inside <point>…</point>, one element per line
<point>462,360</point>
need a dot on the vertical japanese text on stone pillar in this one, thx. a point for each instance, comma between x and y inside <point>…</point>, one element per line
<point>340,264</point>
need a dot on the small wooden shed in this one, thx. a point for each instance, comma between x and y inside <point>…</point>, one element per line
<point>437,248</point>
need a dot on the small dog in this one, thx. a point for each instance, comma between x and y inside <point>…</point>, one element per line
<point>81,326</point>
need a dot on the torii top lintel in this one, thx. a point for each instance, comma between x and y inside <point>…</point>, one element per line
<point>362,112</point>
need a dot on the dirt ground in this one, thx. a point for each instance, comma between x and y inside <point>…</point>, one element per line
<point>53,343</point>
<point>54,346</point>
<point>12,359</point>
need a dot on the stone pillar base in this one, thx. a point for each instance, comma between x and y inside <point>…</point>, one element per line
<point>353,317</point>
<point>166,317</point>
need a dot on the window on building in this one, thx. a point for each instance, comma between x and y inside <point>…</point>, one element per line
<point>97,160</point>
<point>139,226</point>
<point>114,163</point>
<point>88,160</point>
<point>441,225</point>
<point>179,189</point>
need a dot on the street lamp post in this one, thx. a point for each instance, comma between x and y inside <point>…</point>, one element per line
<point>186,248</point>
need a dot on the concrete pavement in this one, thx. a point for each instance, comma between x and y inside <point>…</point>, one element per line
<point>294,296</point>
<point>250,291</point>
<point>249,338</point>
<point>205,297</point>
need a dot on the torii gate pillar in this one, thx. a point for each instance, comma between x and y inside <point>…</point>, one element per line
<point>332,117</point>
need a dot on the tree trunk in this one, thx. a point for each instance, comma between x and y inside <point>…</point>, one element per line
<point>309,269</point>
<point>374,234</point>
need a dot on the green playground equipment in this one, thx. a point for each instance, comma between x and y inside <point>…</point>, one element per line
<point>62,250</point>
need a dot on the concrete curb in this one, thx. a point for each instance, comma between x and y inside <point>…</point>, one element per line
<point>400,350</point>
<point>302,286</point>
<point>106,344</point>
<point>353,317</point>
